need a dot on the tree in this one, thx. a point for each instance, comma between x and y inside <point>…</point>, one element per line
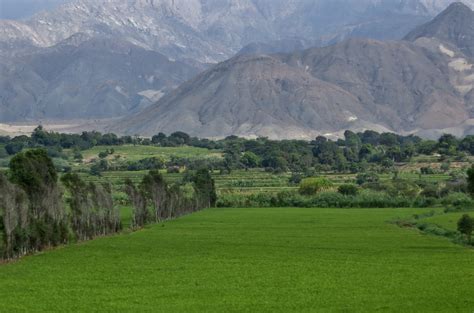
<point>205,188</point>
<point>34,172</point>
<point>470,180</point>
<point>139,204</point>
<point>160,138</point>
<point>448,144</point>
<point>250,160</point>
<point>466,226</point>
<point>13,218</point>
<point>155,189</point>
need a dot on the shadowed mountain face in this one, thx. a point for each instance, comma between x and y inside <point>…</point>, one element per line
<point>422,86</point>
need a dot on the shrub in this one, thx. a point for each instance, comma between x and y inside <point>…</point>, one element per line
<point>457,199</point>
<point>364,178</point>
<point>311,186</point>
<point>466,226</point>
<point>348,190</point>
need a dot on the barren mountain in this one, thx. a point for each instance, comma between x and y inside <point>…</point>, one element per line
<point>358,84</point>
<point>213,30</point>
<point>104,58</point>
<point>454,26</point>
<point>83,77</point>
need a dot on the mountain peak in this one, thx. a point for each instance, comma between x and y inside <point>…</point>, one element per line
<point>455,26</point>
<point>456,6</point>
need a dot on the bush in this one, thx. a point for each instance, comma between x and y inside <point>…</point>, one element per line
<point>364,178</point>
<point>311,186</point>
<point>348,190</point>
<point>457,199</point>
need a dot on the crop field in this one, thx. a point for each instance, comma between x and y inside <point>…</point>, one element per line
<point>248,260</point>
<point>447,221</point>
<point>135,153</point>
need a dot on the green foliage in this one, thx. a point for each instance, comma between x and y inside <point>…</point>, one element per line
<point>205,188</point>
<point>348,189</point>
<point>250,160</point>
<point>34,171</point>
<point>364,178</point>
<point>466,226</point>
<point>311,186</point>
<point>470,180</point>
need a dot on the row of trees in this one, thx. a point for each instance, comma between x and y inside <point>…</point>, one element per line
<point>342,154</point>
<point>33,215</point>
<point>154,200</point>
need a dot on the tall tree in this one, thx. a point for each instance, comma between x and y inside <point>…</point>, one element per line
<point>205,189</point>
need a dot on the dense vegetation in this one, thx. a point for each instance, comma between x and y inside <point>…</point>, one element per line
<point>33,214</point>
<point>164,177</point>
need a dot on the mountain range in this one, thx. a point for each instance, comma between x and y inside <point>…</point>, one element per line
<point>248,67</point>
<point>423,84</point>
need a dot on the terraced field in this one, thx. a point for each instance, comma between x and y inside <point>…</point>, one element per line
<point>135,153</point>
<point>248,260</point>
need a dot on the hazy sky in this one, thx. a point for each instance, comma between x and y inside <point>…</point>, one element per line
<point>17,9</point>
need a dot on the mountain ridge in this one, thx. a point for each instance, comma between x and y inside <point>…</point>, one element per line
<point>358,84</point>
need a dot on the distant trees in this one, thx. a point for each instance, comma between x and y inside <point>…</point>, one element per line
<point>466,226</point>
<point>470,180</point>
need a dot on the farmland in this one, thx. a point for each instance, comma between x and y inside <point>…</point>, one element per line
<point>289,232</point>
<point>243,260</point>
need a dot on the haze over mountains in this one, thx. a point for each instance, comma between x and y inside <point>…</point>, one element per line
<point>98,59</point>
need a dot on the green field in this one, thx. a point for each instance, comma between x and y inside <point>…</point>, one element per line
<point>447,221</point>
<point>251,260</point>
<point>139,152</point>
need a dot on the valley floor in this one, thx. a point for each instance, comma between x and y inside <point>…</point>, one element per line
<point>251,260</point>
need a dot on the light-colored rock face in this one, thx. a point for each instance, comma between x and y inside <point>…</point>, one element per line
<point>213,30</point>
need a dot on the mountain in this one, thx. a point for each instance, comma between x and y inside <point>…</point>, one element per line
<point>107,58</point>
<point>214,30</point>
<point>86,77</point>
<point>454,26</point>
<point>358,84</point>
<point>278,46</point>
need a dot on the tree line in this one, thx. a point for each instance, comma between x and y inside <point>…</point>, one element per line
<point>351,153</point>
<point>39,209</point>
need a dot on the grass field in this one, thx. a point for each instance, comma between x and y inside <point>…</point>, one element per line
<point>251,260</point>
<point>447,221</point>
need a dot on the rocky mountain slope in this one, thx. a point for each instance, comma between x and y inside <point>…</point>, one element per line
<point>422,86</point>
<point>454,26</point>
<point>105,58</point>
<point>213,30</point>
<point>83,77</point>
